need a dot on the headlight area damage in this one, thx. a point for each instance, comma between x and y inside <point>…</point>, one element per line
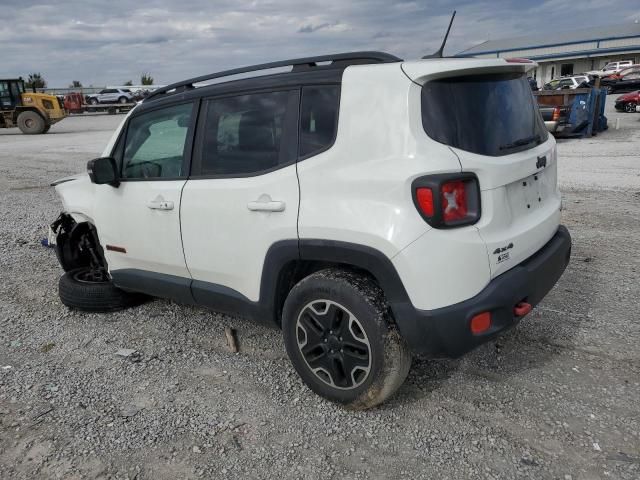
<point>86,284</point>
<point>77,246</point>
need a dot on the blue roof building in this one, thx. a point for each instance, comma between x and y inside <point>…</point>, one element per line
<point>566,53</point>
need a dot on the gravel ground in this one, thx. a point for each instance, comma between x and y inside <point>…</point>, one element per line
<point>556,398</point>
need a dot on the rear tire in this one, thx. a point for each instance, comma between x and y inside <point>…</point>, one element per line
<point>79,289</point>
<point>123,100</point>
<point>630,107</point>
<point>339,337</point>
<point>31,123</point>
<point>93,101</point>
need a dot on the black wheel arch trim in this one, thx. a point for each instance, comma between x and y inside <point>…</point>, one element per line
<point>363,257</point>
<point>279,255</point>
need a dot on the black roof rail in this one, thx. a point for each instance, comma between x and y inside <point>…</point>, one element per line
<point>337,60</point>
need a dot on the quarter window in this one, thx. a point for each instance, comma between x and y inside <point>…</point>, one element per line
<point>244,134</point>
<point>318,118</point>
<point>155,143</point>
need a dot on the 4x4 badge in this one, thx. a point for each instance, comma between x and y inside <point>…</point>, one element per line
<point>502,249</point>
<point>502,252</point>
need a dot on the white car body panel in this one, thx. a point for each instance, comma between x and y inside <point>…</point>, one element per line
<point>151,237</point>
<point>225,243</point>
<point>359,191</point>
<point>434,276</point>
<point>77,194</point>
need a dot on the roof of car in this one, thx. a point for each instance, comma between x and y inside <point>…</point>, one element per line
<point>306,65</point>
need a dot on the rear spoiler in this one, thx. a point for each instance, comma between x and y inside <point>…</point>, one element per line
<point>422,70</point>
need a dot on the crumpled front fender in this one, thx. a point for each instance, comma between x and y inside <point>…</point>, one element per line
<point>78,196</point>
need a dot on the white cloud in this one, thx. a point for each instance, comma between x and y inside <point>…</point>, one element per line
<point>107,42</point>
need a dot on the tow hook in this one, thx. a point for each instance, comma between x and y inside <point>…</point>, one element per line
<point>521,309</point>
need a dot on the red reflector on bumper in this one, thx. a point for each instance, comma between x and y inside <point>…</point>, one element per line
<point>480,323</point>
<point>521,309</point>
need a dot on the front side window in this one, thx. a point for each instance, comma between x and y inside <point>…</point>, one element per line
<point>318,118</point>
<point>487,114</point>
<point>155,143</point>
<point>244,134</point>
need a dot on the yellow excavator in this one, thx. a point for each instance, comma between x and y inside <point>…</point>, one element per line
<point>32,113</point>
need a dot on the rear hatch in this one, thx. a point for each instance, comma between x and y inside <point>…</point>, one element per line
<point>485,112</point>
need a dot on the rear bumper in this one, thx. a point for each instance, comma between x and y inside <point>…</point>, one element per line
<point>446,331</point>
<point>554,127</point>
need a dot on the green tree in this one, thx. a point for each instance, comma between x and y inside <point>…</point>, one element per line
<point>146,79</point>
<point>128,83</point>
<point>35,80</point>
<point>75,84</point>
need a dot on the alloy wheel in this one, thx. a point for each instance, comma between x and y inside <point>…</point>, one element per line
<point>333,344</point>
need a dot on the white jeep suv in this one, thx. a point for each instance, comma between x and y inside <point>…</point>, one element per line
<point>370,207</point>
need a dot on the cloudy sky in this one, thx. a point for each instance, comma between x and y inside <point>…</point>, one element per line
<point>110,42</point>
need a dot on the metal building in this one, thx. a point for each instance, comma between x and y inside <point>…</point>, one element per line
<point>566,53</point>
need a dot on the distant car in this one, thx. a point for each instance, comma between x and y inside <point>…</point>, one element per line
<point>616,76</point>
<point>556,117</point>
<point>533,84</point>
<point>611,68</point>
<point>628,102</point>
<point>110,95</point>
<point>626,82</point>
<point>566,82</point>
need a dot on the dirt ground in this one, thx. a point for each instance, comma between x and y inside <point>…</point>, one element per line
<point>558,397</point>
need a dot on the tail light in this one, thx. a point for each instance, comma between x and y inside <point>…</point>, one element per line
<point>556,114</point>
<point>447,200</point>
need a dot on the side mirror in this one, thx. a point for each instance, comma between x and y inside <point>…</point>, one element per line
<point>103,170</point>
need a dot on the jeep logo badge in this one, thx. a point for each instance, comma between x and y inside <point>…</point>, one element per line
<point>542,161</point>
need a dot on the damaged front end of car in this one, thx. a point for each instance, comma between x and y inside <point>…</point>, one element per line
<point>76,245</point>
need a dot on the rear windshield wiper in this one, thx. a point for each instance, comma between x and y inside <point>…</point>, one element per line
<point>521,142</point>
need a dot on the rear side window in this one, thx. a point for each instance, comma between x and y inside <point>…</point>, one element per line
<point>491,114</point>
<point>318,118</point>
<point>245,134</point>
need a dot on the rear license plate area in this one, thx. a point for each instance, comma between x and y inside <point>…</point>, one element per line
<point>530,193</point>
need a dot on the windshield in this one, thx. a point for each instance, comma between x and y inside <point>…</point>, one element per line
<point>489,114</point>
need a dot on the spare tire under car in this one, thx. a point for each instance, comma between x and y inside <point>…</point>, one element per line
<point>89,290</point>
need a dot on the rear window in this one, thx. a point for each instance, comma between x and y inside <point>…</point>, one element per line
<point>490,114</point>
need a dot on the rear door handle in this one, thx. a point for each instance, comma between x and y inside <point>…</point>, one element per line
<point>160,205</point>
<point>266,206</point>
